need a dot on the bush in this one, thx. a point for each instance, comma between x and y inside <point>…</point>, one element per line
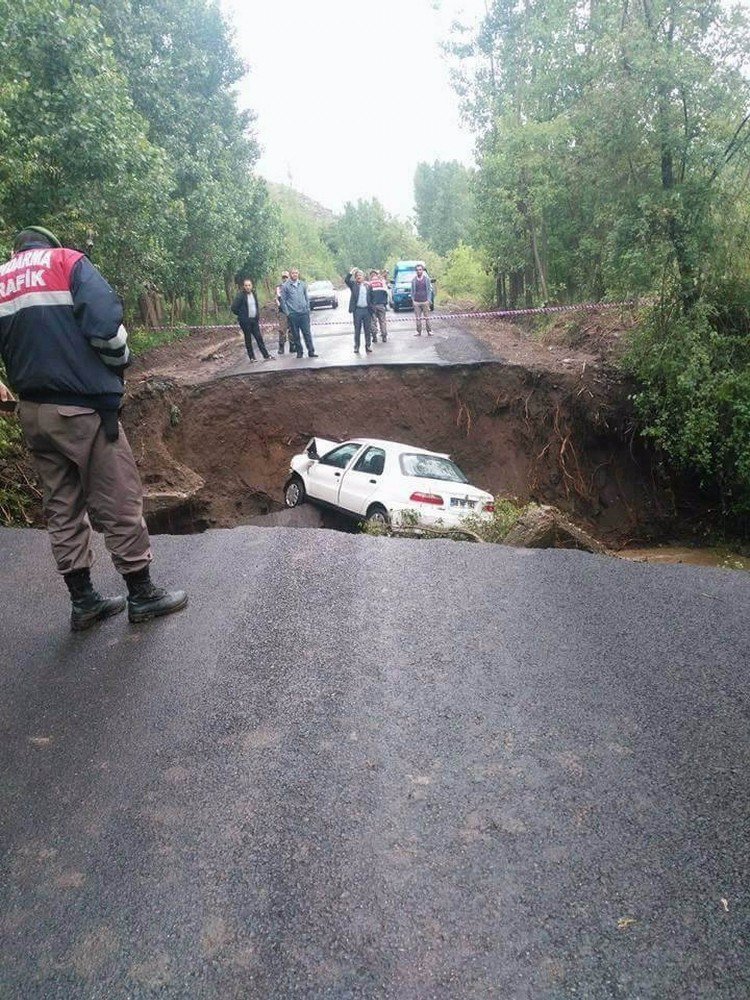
<point>507,513</point>
<point>464,277</point>
<point>694,397</point>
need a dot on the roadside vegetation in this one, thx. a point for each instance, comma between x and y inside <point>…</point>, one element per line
<point>613,160</point>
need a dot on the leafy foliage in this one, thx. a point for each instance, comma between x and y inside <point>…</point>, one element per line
<point>119,123</point>
<point>77,154</point>
<point>611,140</point>
<point>444,204</point>
<point>614,153</point>
<point>694,397</point>
<point>303,224</point>
<point>16,492</point>
<point>367,236</point>
<point>465,276</point>
<point>494,529</point>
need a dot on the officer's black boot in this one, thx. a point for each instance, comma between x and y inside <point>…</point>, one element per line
<point>145,601</point>
<point>89,607</point>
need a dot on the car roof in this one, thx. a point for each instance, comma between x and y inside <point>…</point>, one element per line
<point>397,445</point>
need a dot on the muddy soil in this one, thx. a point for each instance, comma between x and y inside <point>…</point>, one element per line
<point>217,453</point>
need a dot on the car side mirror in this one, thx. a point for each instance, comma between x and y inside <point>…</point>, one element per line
<point>312,452</point>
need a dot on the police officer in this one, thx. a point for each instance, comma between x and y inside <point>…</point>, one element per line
<point>65,350</point>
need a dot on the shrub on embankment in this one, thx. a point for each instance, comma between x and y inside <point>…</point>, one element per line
<point>693,400</point>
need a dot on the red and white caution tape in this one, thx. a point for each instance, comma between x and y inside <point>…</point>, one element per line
<point>409,318</point>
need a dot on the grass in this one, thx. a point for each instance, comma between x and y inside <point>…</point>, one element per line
<point>143,339</point>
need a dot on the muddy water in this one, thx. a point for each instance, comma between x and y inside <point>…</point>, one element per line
<point>719,556</point>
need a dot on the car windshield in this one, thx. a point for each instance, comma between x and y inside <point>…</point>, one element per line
<point>431,467</point>
<point>320,286</point>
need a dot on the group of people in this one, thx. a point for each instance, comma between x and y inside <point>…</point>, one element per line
<point>368,305</point>
<point>293,303</point>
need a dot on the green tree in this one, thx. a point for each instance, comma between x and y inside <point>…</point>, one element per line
<point>181,70</point>
<point>76,153</point>
<point>303,223</point>
<point>614,151</point>
<point>367,236</point>
<point>444,204</point>
<point>120,122</point>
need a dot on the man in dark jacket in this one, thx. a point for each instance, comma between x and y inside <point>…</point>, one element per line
<point>361,307</point>
<point>245,307</point>
<point>65,350</point>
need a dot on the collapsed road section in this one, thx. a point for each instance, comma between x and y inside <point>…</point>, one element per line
<point>217,454</point>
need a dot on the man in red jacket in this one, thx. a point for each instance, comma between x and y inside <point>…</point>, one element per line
<point>65,350</point>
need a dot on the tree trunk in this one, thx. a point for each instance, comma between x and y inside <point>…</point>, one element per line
<point>537,261</point>
<point>500,296</point>
<point>149,315</point>
<point>516,288</point>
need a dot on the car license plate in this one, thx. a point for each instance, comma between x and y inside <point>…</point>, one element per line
<point>463,503</point>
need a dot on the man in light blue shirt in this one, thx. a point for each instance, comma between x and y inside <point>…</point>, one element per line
<point>296,304</point>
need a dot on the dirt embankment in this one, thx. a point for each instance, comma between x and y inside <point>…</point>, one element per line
<point>218,453</point>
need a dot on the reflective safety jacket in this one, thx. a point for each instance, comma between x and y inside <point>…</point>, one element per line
<point>379,291</point>
<point>61,333</point>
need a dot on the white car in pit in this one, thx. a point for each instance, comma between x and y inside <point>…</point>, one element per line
<point>384,483</point>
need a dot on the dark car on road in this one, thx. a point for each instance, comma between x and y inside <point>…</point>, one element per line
<point>322,293</point>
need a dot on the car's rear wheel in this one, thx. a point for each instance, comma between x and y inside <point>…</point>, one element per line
<point>294,491</point>
<point>396,308</point>
<point>378,515</point>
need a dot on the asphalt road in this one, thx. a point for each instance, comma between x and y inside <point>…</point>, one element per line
<point>333,337</point>
<point>362,767</point>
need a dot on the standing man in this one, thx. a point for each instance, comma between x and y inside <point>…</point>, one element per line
<point>421,288</point>
<point>379,306</point>
<point>360,306</point>
<point>285,331</point>
<point>296,301</point>
<point>65,350</point>
<point>245,307</point>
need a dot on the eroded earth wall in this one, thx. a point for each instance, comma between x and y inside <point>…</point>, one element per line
<point>218,453</point>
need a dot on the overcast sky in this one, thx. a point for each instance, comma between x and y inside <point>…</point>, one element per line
<point>312,63</point>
